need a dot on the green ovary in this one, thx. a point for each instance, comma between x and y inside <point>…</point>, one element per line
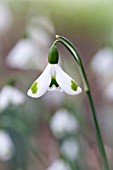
<point>74,86</point>
<point>53,55</point>
<point>34,87</point>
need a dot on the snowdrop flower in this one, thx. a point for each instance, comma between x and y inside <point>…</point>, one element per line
<point>11,95</point>
<point>59,164</point>
<point>105,58</point>
<point>53,78</point>
<point>26,55</point>
<point>63,123</point>
<point>6,146</point>
<point>70,149</point>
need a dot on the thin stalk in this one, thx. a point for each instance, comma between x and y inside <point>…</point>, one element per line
<point>77,58</point>
<point>98,134</point>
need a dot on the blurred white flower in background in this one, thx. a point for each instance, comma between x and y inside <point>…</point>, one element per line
<point>24,55</point>
<point>63,122</point>
<point>108,92</point>
<point>53,99</point>
<point>11,95</point>
<point>31,52</point>
<point>40,29</point>
<point>45,22</point>
<point>70,148</point>
<point>6,17</point>
<point>102,62</point>
<point>59,164</point>
<point>102,66</point>
<point>7,148</point>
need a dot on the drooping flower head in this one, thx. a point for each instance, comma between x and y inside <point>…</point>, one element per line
<point>53,78</point>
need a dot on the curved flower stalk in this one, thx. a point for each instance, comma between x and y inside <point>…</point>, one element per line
<point>77,58</point>
<point>53,78</point>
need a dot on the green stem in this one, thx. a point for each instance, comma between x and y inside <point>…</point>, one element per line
<point>98,134</point>
<point>76,56</point>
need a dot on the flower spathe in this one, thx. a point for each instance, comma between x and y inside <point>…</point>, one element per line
<point>53,78</point>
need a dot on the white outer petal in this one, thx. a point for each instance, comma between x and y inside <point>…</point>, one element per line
<point>64,81</point>
<point>43,81</point>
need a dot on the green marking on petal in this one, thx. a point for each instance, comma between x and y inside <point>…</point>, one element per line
<point>34,87</point>
<point>74,86</point>
<point>54,82</point>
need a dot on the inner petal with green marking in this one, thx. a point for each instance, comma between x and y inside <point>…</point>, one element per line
<point>74,86</point>
<point>34,87</point>
<point>53,82</point>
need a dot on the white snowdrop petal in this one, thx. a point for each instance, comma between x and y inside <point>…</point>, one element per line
<point>6,146</point>
<point>17,96</point>
<point>63,122</point>
<point>41,85</point>
<point>108,92</point>
<point>105,57</point>
<point>4,97</point>
<point>66,82</point>
<point>70,148</point>
<point>59,164</point>
<point>25,54</point>
<point>11,95</point>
